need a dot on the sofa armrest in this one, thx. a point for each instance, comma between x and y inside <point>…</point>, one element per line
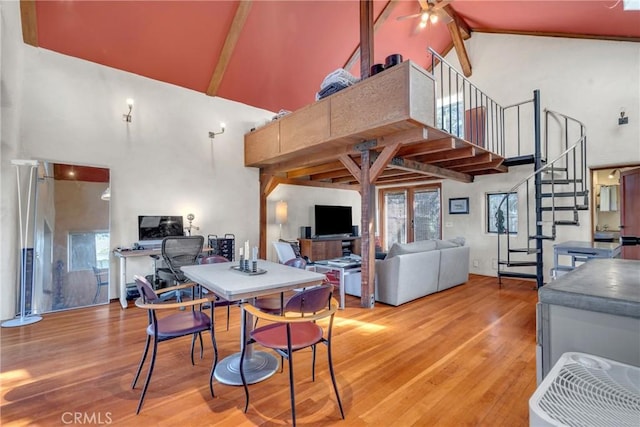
<point>454,267</point>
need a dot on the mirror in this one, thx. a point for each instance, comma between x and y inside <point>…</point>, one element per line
<point>71,237</point>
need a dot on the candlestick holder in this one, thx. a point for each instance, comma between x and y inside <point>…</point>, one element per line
<point>241,262</point>
<point>246,265</point>
<point>254,266</point>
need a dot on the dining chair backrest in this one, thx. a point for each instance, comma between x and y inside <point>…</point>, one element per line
<point>146,290</point>
<point>310,300</point>
<point>213,259</point>
<point>297,263</point>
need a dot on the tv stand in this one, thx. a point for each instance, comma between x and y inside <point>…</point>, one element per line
<point>323,248</point>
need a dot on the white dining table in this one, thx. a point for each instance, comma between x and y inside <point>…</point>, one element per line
<point>232,285</point>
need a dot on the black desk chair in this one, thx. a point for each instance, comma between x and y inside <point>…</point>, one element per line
<point>178,251</point>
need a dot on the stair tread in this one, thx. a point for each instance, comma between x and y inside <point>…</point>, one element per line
<point>566,194</point>
<point>566,222</point>
<point>566,208</point>
<point>519,160</point>
<point>518,263</point>
<point>543,237</point>
<point>516,274</point>
<point>524,250</point>
<point>560,181</point>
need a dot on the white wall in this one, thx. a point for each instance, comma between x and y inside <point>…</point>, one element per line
<point>300,209</point>
<point>163,163</point>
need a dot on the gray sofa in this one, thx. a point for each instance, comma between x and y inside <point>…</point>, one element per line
<point>413,270</point>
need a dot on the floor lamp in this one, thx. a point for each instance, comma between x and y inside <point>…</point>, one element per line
<point>24,319</point>
<point>281,214</point>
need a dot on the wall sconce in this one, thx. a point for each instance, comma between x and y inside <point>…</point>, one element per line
<point>281,214</point>
<point>612,174</point>
<point>127,117</point>
<point>106,194</point>
<point>213,134</point>
<point>623,120</point>
<point>190,218</point>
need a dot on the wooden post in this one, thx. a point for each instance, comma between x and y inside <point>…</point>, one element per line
<point>367,292</point>
<point>366,37</point>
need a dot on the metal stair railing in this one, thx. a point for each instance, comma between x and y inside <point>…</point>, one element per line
<point>570,155</point>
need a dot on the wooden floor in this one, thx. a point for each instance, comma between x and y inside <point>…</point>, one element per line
<point>465,356</point>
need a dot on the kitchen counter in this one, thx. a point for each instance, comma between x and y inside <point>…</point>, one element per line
<point>604,285</point>
<point>594,309</point>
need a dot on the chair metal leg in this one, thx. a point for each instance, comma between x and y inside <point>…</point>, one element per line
<point>313,363</point>
<point>228,314</point>
<point>144,356</point>
<point>333,378</point>
<point>146,383</point>
<point>291,387</point>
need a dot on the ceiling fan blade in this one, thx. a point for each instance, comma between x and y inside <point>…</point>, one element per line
<point>440,4</point>
<point>443,16</point>
<point>415,15</point>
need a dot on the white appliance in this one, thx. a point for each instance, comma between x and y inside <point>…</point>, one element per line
<point>587,390</point>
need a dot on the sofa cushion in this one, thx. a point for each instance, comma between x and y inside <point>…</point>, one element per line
<point>411,248</point>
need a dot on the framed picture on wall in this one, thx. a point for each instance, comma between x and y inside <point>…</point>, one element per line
<point>459,205</point>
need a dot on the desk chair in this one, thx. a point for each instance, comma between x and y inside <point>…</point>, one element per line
<point>102,280</point>
<point>295,330</point>
<point>178,251</point>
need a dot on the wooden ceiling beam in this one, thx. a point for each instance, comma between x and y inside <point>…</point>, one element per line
<point>384,15</point>
<point>424,169</point>
<point>465,31</point>
<point>442,156</point>
<point>229,46</point>
<point>309,171</point>
<point>494,164</point>
<point>405,137</point>
<point>445,144</point>
<point>382,160</point>
<point>352,167</point>
<point>461,51</point>
<point>29,22</point>
<point>480,159</point>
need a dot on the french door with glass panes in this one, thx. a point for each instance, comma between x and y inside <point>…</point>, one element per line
<point>410,214</point>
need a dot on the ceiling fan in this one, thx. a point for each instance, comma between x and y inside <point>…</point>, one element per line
<point>430,11</point>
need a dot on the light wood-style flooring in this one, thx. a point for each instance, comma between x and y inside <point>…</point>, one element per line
<point>462,357</point>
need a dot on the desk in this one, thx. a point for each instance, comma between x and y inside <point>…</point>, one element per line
<point>581,252</point>
<point>233,285</point>
<point>122,277</point>
<point>346,270</point>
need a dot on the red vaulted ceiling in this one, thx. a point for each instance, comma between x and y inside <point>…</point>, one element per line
<point>286,48</point>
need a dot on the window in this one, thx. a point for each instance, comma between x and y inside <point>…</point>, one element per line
<point>88,249</point>
<point>450,117</point>
<point>410,214</point>
<point>507,218</point>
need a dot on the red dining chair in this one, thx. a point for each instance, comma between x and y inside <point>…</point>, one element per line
<point>295,330</point>
<point>178,324</point>
<point>219,302</point>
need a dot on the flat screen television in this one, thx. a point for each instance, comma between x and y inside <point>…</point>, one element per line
<point>332,220</point>
<point>152,229</point>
